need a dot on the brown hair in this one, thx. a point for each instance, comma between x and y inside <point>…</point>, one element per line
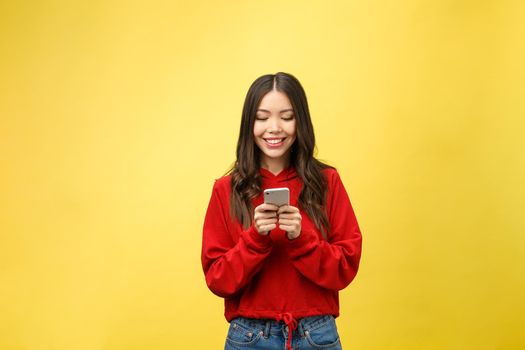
<point>246,182</point>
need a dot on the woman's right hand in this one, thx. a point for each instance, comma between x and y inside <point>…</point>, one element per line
<point>265,218</point>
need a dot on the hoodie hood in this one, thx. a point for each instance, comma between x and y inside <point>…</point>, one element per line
<point>285,174</point>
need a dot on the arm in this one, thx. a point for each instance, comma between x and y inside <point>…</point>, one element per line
<point>331,264</point>
<point>228,264</point>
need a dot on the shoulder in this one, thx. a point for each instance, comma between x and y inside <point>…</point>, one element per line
<point>220,191</point>
<point>334,183</point>
<point>330,171</point>
<point>223,181</point>
<point>331,174</point>
<point>222,185</point>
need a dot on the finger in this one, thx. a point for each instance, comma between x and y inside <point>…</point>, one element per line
<point>283,209</point>
<point>290,216</point>
<point>287,228</point>
<point>265,215</point>
<point>266,228</point>
<point>286,222</point>
<point>266,222</point>
<point>287,209</point>
<point>268,207</point>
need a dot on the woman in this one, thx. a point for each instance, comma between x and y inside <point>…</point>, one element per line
<point>279,269</point>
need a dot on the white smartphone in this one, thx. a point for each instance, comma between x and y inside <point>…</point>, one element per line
<point>278,196</point>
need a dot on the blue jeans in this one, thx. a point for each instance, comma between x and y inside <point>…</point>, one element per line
<point>315,332</point>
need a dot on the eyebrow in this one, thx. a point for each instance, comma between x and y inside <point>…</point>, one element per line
<point>282,111</point>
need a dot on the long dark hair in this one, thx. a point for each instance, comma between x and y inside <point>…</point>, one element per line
<point>246,182</point>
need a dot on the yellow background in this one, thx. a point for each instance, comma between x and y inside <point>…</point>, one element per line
<point>116,117</point>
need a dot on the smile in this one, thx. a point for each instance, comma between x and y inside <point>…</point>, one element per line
<point>274,142</point>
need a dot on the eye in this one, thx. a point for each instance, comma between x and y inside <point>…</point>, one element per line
<point>260,118</point>
<point>288,118</point>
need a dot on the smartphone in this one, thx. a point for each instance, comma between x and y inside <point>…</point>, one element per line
<point>278,196</point>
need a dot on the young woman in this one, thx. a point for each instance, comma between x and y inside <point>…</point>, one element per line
<point>279,269</point>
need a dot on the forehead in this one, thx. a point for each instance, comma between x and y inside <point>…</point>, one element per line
<point>275,101</point>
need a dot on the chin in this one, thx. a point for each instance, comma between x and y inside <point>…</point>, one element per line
<point>276,155</point>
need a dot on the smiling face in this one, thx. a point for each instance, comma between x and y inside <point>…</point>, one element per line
<point>274,129</point>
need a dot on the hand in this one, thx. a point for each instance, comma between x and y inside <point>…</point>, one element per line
<point>290,221</point>
<point>265,218</point>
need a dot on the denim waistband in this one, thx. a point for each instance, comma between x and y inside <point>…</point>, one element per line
<point>270,326</point>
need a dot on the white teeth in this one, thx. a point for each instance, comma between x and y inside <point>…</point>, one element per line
<point>274,141</point>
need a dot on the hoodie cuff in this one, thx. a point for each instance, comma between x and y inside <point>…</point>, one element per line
<point>256,241</point>
<point>306,241</point>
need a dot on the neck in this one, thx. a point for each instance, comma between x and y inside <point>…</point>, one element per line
<point>275,166</point>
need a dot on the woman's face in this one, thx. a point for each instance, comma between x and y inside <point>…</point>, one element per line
<point>274,127</point>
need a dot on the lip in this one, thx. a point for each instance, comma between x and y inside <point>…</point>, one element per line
<point>275,145</point>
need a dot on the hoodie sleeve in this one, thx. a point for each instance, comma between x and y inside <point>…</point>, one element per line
<point>229,263</point>
<point>331,263</point>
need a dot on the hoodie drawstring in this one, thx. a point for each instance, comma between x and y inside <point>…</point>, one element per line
<point>291,323</point>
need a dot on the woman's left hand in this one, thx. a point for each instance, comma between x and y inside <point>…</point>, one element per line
<point>290,220</point>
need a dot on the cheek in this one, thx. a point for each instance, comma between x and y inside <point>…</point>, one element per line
<point>290,130</point>
<point>257,130</point>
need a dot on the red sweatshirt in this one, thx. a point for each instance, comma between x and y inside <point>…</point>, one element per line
<point>271,276</point>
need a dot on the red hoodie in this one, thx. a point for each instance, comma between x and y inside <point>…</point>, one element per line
<point>271,276</point>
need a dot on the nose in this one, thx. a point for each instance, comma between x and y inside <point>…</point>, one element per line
<point>275,126</point>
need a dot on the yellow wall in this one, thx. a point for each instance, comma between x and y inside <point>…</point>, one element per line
<point>116,116</point>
